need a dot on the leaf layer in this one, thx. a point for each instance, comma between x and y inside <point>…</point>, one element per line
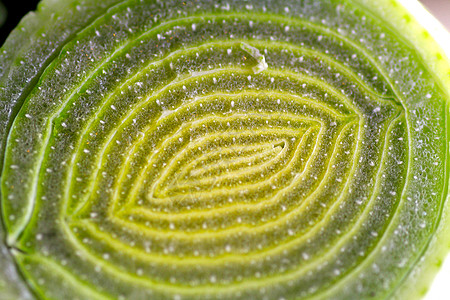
<point>209,150</point>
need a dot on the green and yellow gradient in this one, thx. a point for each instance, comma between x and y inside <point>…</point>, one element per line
<point>220,150</point>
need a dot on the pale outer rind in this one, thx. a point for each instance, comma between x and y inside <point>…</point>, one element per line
<point>432,41</point>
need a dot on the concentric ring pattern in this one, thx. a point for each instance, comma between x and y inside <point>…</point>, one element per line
<point>223,150</point>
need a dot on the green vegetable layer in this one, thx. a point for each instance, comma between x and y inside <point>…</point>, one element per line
<point>220,150</point>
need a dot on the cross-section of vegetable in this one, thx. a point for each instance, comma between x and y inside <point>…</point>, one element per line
<point>223,150</point>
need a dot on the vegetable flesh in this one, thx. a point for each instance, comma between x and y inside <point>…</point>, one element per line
<point>147,155</point>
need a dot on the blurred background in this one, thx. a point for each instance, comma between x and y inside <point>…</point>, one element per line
<point>440,9</point>
<point>11,11</point>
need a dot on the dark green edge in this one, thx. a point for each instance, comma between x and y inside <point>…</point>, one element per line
<point>410,20</point>
<point>13,285</point>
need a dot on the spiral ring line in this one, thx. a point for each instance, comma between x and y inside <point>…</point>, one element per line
<point>233,258</point>
<point>303,237</point>
<point>180,83</point>
<point>336,248</point>
<point>105,105</point>
<point>224,232</point>
<point>86,289</point>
